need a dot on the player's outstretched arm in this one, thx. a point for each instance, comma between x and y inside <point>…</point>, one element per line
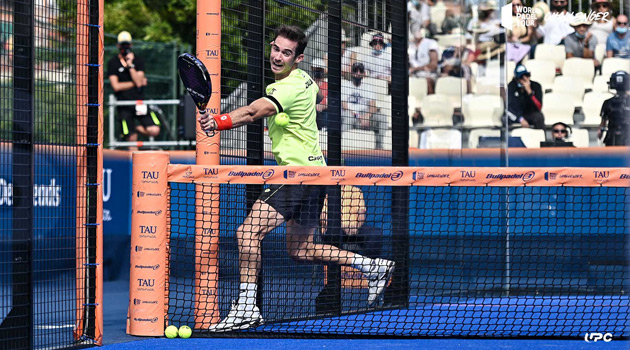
<point>261,108</point>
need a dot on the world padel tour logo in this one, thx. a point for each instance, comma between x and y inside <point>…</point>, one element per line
<point>526,16</point>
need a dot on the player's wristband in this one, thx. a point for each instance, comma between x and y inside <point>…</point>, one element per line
<point>224,121</point>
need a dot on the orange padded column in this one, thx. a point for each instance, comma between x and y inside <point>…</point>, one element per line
<point>207,197</point>
<point>147,277</point>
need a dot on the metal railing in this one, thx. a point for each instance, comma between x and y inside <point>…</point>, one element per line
<point>113,142</point>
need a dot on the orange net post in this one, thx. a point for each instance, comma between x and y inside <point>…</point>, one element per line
<point>147,278</point>
<point>207,198</point>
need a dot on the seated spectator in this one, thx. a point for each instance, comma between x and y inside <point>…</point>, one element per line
<point>486,29</point>
<point>456,61</point>
<point>318,69</point>
<point>557,24</point>
<point>423,58</point>
<point>618,43</point>
<point>560,132</point>
<point>358,106</point>
<point>379,63</point>
<point>525,100</point>
<point>450,22</point>
<point>603,25</point>
<point>419,14</point>
<point>581,43</point>
<point>347,57</point>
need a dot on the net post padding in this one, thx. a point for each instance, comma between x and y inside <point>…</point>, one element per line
<point>207,227</point>
<point>147,277</point>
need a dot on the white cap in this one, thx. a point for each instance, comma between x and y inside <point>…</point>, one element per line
<point>124,37</point>
<point>318,63</point>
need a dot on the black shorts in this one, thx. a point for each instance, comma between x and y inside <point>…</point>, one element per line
<point>128,119</point>
<point>302,203</point>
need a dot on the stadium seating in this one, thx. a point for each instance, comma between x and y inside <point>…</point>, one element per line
<point>531,137</point>
<point>411,108</point>
<point>475,134</point>
<point>613,64</point>
<point>571,86</point>
<point>600,52</point>
<point>437,110</point>
<point>438,14</point>
<point>453,87</point>
<point>580,138</point>
<point>580,68</point>
<point>482,111</point>
<point>418,88</point>
<point>358,139</point>
<point>555,53</point>
<point>558,107</point>
<point>592,106</point>
<point>543,72</point>
<point>600,84</point>
<point>441,139</point>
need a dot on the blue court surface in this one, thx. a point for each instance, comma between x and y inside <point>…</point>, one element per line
<point>494,310</point>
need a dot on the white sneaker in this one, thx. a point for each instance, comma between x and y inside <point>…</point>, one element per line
<point>240,317</point>
<point>380,272</point>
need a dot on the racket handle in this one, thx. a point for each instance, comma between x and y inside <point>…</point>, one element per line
<point>208,133</point>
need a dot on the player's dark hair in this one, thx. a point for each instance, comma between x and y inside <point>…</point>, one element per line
<point>293,33</point>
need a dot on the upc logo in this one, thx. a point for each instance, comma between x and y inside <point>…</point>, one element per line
<point>594,337</point>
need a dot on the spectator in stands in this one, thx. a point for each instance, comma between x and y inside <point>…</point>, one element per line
<point>423,58</point>
<point>126,75</point>
<point>6,40</point>
<point>358,237</point>
<point>318,69</point>
<point>348,57</point>
<point>581,43</point>
<point>560,132</point>
<point>557,25</point>
<point>379,62</point>
<point>530,34</point>
<point>618,43</point>
<point>419,14</point>
<point>450,22</point>
<point>603,26</point>
<point>456,62</point>
<point>616,112</point>
<point>525,99</point>
<point>358,106</point>
<point>487,29</point>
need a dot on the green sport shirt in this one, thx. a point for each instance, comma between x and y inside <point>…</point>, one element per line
<point>298,142</point>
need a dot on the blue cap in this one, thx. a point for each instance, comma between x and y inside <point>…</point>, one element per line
<point>520,70</point>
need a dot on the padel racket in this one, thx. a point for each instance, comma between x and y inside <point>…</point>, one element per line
<point>196,80</point>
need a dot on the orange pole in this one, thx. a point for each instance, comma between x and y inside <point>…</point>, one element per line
<point>147,277</point>
<point>82,122</point>
<point>207,197</point>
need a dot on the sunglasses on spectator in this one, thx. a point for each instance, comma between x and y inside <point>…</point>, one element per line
<point>601,5</point>
<point>564,131</point>
<point>622,23</point>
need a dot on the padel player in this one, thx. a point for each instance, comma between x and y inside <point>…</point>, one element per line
<point>294,93</point>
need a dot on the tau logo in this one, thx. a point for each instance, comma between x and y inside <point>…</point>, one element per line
<point>210,171</point>
<point>148,229</point>
<point>146,282</point>
<point>338,173</point>
<point>468,174</point>
<point>601,174</point>
<point>153,175</point>
<point>594,337</point>
<point>213,110</point>
<point>212,53</point>
<point>206,232</point>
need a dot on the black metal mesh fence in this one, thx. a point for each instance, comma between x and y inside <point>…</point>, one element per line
<point>49,103</point>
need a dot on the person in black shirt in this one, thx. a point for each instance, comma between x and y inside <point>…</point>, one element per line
<point>525,99</point>
<point>126,75</point>
<point>616,112</point>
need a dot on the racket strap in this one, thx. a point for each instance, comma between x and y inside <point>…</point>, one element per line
<point>224,121</point>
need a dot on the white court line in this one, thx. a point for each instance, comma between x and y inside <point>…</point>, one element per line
<point>51,326</point>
